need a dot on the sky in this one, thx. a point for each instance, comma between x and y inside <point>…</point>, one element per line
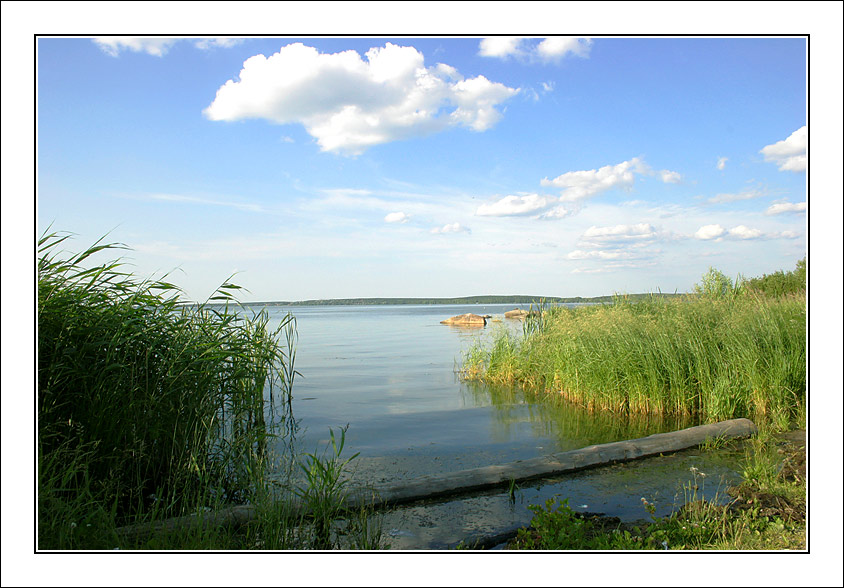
<point>664,140</point>
<point>438,166</point>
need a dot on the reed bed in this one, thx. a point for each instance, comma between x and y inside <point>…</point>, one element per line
<point>713,358</point>
<point>147,407</point>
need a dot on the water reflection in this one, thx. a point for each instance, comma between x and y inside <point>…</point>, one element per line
<point>572,426</point>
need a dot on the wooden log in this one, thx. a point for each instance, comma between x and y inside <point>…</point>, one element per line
<point>464,481</point>
<point>440,485</point>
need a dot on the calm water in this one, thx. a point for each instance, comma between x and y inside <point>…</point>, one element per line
<point>389,373</point>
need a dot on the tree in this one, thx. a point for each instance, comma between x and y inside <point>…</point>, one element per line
<point>714,284</point>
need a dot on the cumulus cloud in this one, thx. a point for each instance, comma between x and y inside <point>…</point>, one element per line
<point>500,46</point>
<point>549,49</point>
<point>516,205</point>
<point>150,45</point>
<point>555,48</point>
<point>722,163</point>
<point>349,104</point>
<point>708,232</point>
<point>741,232</point>
<point>396,217</point>
<point>451,228</point>
<point>636,233</point>
<point>619,242</point>
<point>670,177</point>
<point>789,154</point>
<point>578,185</point>
<point>784,207</point>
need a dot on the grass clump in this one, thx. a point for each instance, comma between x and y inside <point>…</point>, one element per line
<point>150,409</point>
<point>734,355</point>
<point>765,512</point>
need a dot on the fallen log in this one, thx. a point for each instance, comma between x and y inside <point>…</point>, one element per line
<point>440,485</point>
<point>465,481</point>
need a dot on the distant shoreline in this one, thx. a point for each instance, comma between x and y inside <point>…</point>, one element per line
<point>491,299</point>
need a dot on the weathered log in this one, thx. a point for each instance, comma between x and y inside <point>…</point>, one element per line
<point>439,485</point>
<point>464,481</point>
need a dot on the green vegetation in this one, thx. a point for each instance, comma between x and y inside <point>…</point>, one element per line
<point>780,283</point>
<point>731,349</point>
<point>766,511</point>
<point>150,409</point>
<point>491,299</point>
<point>728,353</point>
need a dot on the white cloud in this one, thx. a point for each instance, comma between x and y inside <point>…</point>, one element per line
<point>601,254</point>
<point>558,212</point>
<point>547,87</point>
<point>217,42</point>
<point>637,233</point>
<point>396,217</point>
<point>555,48</point>
<point>783,207</point>
<point>670,177</point>
<point>150,45</point>
<point>349,104</point>
<point>740,232</point>
<point>743,232</point>
<point>500,46</point>
<point>746,195</point>
<point>789,154</point>
<point>451,228</point>
<point>516,205</point>
<point>722,163</point>
<point>578,185</point>
<point>549,49</point>
<point>708,232</point>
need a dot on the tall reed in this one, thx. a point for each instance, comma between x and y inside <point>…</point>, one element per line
<point>145,404</point>
<point>712,358</point>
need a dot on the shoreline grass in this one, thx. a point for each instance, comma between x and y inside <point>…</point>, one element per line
<point>149,409</point>
<point>714,358</point>
<point>766,511</point>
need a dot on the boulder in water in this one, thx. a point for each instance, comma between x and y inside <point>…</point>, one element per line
<point>466,320</point>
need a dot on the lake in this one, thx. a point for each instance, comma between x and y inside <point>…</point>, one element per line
<point>390,374</point>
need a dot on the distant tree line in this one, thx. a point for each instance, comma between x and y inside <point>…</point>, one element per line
<point>488,299</point>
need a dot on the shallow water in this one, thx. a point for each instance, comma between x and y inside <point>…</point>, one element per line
<point>389,373</point>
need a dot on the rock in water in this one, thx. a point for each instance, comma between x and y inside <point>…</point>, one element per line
<point>466,320</point>
<point>516,313</point>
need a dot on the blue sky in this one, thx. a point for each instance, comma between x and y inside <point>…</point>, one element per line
<point>124,146</point>
<point>349,167</point>
<point>346,167</point>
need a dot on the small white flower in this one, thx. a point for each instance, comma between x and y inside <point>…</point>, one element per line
<point>72,525</point>
<point>665,544</point>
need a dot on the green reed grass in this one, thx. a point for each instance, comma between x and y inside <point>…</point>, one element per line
<point>713,358</point>
<point>148,407</point>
